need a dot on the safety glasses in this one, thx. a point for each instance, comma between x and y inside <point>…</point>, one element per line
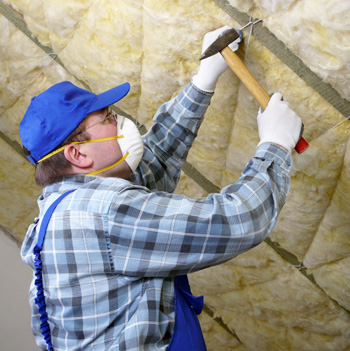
<point>111,115</point>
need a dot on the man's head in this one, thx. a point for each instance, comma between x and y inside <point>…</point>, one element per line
<point>67,115</point>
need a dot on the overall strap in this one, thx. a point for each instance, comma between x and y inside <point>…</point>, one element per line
<point>40,298</point>
<point>187,334</point>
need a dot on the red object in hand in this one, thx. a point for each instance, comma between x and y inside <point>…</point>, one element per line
<point>301,145</point>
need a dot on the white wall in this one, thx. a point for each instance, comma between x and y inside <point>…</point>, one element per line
<point>15,277</point>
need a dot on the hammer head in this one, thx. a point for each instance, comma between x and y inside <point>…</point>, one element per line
<point>220,43</point>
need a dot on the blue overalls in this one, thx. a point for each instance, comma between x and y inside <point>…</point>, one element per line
<point>187,334</point>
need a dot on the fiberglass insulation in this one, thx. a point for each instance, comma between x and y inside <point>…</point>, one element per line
<point>261,300</point>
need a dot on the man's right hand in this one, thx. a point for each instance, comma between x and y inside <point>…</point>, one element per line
<point>279,124</point>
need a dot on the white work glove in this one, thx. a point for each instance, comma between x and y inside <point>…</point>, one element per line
<point>212,67</point>
<point>279,124</point>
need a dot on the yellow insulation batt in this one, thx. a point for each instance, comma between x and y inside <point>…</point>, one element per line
<point>292,294</point>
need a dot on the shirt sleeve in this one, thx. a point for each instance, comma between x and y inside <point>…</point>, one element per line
<point>162,234</point>
<point>168,141</point>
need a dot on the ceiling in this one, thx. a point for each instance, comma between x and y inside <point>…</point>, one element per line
<point>292,291</point>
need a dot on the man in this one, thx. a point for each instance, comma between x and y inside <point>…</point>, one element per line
<point>111,259</point>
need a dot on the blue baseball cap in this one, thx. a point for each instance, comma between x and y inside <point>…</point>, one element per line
<point>56,112</point>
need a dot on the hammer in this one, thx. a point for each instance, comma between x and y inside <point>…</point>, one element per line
<point>242,72</point>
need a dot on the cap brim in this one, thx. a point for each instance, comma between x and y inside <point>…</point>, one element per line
<point>109,97</point>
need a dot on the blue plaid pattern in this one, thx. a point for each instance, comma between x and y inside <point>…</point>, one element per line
<point>113,246</point>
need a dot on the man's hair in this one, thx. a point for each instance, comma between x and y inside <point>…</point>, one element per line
<point>54,168</point>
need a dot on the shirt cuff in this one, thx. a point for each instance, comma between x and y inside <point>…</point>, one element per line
<point>194,100</point>
<point>277,154</point>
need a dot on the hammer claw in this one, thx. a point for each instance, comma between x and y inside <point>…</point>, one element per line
<point>224,40</point>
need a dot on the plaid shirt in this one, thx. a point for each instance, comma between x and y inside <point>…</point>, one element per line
<point>113,246</point>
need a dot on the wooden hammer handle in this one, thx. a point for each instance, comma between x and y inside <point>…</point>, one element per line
<point>258,92</point>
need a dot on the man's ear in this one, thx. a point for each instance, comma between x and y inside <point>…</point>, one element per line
<point>74,154</point>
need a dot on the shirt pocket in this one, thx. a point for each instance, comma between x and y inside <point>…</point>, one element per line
<point>76,243</point>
